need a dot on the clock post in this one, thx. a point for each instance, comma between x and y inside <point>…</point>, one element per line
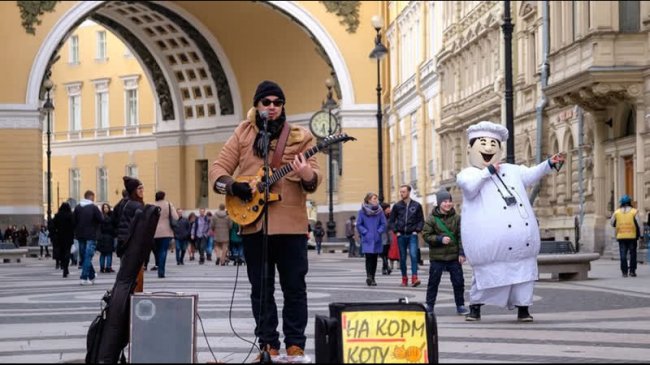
<point>329,105</point>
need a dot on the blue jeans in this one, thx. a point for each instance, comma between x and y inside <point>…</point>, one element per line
<point>162,247</point>
<point>237,250</point>
<point>625,246</point>
<point>202,245</point>
<point>87,251</point>
<point>319,244</point>
<point>455,270</point>
<point>210,247</point>
<point>181,246</point>
<point>105,260</point>
<point>352,248</point>
<point>288,253</point>
<point>409,241</point>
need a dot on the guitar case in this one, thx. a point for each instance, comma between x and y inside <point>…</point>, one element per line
<point>115,329</point>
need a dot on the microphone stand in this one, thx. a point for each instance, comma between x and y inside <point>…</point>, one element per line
<point>265,357</point>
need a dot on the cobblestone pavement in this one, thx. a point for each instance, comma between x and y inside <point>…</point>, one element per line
<point>44,318</point>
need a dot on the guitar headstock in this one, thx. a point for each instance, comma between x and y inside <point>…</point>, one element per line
<point>335,138</point>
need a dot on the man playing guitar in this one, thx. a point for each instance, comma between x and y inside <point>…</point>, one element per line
<point>287,217</point>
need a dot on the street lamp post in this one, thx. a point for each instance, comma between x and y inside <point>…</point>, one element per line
<point>379,52</point>
<point>329,105</point>
<point>49,107</point>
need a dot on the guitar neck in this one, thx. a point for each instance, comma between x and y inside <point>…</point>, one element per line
<point>282,171</point>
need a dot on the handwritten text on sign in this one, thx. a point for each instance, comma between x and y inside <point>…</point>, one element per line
<point>384,337</point>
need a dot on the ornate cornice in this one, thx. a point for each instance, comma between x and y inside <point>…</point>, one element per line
<point>595,90</point>
<point>30,12</point>
<point>483,98</point>
<point>347,10</point>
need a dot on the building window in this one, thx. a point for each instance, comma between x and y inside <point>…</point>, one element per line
<point>131,107</point>
<point>414,157</point>
<point>574,20</point>
<point>131,100</point>
<point>75,184</point>
<point>101,45</point>
<point>101,110</point>
<point>75,113</point>
<point>432,161</point>
<point>73,54</point>
<point>414,149</point>
<point>628,16</point>
<point>630,122</point>
<point>132,170</point>
<point>102,184</point>
<point>432,30</point>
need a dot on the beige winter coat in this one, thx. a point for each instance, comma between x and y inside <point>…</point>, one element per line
<point>220,225</point>
<point>164,230</point>
<point>289,215</point>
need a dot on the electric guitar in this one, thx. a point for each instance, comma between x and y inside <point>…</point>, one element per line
<point>247,212</point>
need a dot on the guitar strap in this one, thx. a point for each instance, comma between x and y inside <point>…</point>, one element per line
<point>279,148</point>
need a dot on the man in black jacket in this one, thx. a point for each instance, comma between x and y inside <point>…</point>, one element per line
<point>407,220</point>
<point>87,222</point>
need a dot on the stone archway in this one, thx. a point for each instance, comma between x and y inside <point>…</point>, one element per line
<point>83,9</point>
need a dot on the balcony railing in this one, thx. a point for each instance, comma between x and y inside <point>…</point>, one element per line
<point>83,134</point>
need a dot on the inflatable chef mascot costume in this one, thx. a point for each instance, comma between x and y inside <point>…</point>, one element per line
<point>498,225</point>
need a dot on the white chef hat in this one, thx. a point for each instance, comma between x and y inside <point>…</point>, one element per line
<point>487,129</point>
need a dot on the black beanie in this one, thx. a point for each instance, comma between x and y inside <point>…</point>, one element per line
<point>131,183</point>
<point>442,195</point>
<point>266,88</point>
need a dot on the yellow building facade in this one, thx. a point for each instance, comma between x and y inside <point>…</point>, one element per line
<point>194,67</point>
<point>161,105</point>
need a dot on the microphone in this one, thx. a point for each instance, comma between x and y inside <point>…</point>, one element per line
<point>264,114</point>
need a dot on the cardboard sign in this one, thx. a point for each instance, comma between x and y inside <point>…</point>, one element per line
<point>379,337</point>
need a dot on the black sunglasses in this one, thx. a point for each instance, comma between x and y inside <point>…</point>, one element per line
<point>276,102</point>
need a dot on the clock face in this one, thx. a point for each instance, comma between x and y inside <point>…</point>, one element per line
<point>320,124</point>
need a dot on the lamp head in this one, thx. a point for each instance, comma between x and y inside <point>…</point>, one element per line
<point>48,84</point>
<point>379,52</point>
<point>377,22</point>
<point>329,83</point>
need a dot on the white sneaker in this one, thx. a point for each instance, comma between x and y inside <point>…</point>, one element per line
<point>92,281</point>
<point>83,282</point>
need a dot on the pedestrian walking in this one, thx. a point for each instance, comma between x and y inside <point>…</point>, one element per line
<point>371,225</point>
<point>200,230</point>
<point>221,225</point>
<point>125,212</point>
<point>62,233</point>
<point>181,236</point>
<point>442,233</point>
<point>407,220</point>
<point>87,222</point>
<point>319,232</point>
<point>164,232</point>
<point>106,243</point>
<point>387,238</point>
<point>628,233</point>
<point>44,241</point>
<point>350,228</point>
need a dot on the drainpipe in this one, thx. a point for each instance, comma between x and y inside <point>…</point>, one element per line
<point>581,164</point>
<point>543,101</point>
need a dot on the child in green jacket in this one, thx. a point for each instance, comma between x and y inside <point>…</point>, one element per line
<point>442,233</point>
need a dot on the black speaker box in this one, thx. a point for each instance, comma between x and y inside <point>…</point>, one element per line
<point>163,328</point>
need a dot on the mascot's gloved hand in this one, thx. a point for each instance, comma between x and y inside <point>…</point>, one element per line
<point>557,160</point>
<point>242,190</point>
